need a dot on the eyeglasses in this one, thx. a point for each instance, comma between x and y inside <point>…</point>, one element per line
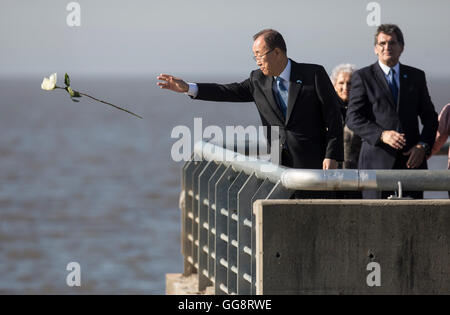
<point>260,56</point>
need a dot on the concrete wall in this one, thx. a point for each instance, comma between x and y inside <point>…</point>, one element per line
<point>325,246</point>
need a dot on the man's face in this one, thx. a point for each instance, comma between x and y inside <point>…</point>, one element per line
<point>342,85</point>
<point>388,49</point>
<point>265,58</point>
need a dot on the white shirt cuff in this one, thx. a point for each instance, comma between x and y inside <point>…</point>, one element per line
<point>193,90</point>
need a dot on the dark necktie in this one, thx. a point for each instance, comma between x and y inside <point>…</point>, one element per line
<point>393,85</point>
<point>282,95</point>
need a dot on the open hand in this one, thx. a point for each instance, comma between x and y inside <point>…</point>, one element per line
<point>172,83</point>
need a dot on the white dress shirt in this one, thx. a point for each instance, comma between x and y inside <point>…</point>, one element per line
<point>386,70</point>
<point>285,75</point>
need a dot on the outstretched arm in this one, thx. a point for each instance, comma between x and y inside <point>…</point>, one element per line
<point>233,92</point>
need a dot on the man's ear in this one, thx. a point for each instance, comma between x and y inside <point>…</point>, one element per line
<point>279,52</point>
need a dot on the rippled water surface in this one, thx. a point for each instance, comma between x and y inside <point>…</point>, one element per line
<point>87,183</point>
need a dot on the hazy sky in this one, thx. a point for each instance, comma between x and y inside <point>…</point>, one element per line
<point>144,37</point>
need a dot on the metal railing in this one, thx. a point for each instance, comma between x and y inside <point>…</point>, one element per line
<point>218,232</point>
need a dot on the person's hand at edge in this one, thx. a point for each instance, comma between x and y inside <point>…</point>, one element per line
<point>329,164</point>
<point>416,156</point>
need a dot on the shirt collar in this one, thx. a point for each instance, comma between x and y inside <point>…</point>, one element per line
<point>386,69</point>
<point>286,74</point>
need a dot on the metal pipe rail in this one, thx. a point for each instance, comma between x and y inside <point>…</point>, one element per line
<point>218,232</point>
<point>311,179</point>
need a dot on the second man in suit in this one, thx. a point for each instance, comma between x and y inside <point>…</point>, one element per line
<point>386,100</point>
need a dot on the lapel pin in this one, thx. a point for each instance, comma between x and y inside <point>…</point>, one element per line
<point>405,76</point>
<point>299,81</point>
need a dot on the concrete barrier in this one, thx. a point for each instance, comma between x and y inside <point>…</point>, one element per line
<point>352,246</point>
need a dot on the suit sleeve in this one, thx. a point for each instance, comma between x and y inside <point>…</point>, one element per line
<point>234,92</point>
<point>331,116</point>
<point>428,115</point>
<point>359,117</point>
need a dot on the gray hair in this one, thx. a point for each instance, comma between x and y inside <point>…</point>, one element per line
<point>343,67</point>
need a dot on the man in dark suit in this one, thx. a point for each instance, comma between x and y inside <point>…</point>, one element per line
<point>298,98</point>
<point>385,101</point>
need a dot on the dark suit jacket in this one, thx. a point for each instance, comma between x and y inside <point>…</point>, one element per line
<point>313,128</point>
<point>372,109</point>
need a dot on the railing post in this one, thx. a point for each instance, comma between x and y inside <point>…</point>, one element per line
<point>188,219</point>
<point>245,234</point>
<point>195,211</point>
<point>232,231</point>
<point>204,228</point>
<point>221,225</point>
<point>212,220</point>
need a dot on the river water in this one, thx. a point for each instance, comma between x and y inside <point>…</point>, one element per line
<point>83,182</point>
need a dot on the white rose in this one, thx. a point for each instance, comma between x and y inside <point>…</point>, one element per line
<point>49,84</point>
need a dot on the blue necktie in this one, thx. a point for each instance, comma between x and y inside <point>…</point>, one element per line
<point>282,95</point>
<point>393,85</point>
